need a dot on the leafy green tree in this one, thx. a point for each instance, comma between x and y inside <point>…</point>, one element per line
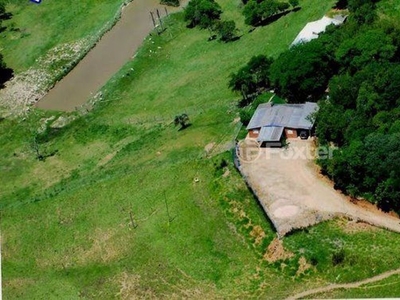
<point>252,78</point>
<point>294,3</point>
<point>387,195</point>
<point>251,12</point>
<point>334,123</point>
<point>202,13</point>
<point>362,11</point>
<point>282,6</point>
<point>364,48</point>
<point>226,30</point>
<point>246,115</point>
<point>256,11</point>
<point>343,91</point>
<point>303,72</point>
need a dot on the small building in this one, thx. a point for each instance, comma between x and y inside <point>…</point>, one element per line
<point>313,29</point>
<point>271,123</point>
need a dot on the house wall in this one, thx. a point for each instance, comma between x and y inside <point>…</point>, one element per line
<point>290,133</point>
<point>254,133</point>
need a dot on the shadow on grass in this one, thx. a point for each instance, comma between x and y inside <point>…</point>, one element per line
<point>275,18</point>
<point>5,75</point>
<point>243,102</point>
<point>234,39</point>
<point>185,127</point>
<point>6,16</point>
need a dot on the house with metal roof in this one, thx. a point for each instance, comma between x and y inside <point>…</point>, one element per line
<point>273,122</point>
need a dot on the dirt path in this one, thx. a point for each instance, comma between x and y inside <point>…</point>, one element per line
<point>115,48</point>
<point>294,195</point>
<point>344,285</point>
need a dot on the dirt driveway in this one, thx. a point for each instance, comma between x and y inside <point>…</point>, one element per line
<point>294,194</point>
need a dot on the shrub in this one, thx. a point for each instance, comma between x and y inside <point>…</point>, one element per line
<point>338,257</point>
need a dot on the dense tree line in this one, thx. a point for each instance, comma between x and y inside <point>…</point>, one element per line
<point>362,112</point>
<point>354,72</point>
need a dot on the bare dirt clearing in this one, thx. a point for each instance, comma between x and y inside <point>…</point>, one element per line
<point>293,193</point>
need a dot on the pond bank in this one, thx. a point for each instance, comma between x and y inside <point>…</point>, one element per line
<point>114,49</point>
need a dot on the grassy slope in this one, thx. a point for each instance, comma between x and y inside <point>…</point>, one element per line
<point>38,28</point>
<point>65,222</point>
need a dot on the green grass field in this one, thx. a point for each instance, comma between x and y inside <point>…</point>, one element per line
<point>35,29</point>
<point>66,223</point>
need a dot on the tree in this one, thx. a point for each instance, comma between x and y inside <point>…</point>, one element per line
<point>226,30</point>
<point>362,11</point>
<point>331,123</point>
<point>343,90</point>
<point>182,120</point>
<point>294,3</point>
<point>251,13</point>
<point>252,78</point>
<point>303,72</point>
<point>364,48</point>
<point>202,13</point>
<point>387,195</point>
<point>256,11</point>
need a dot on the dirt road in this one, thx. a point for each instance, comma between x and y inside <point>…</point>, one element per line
<point>294,195</point>
<point>344,285</point>
<point>105,59</point>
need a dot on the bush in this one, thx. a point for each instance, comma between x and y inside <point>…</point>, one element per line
<point>338,257</point>
<point>245,115</point>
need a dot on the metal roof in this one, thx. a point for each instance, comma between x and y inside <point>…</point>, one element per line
<point>313,29</point>
<point>283,115</point>
<point>270,133</point>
